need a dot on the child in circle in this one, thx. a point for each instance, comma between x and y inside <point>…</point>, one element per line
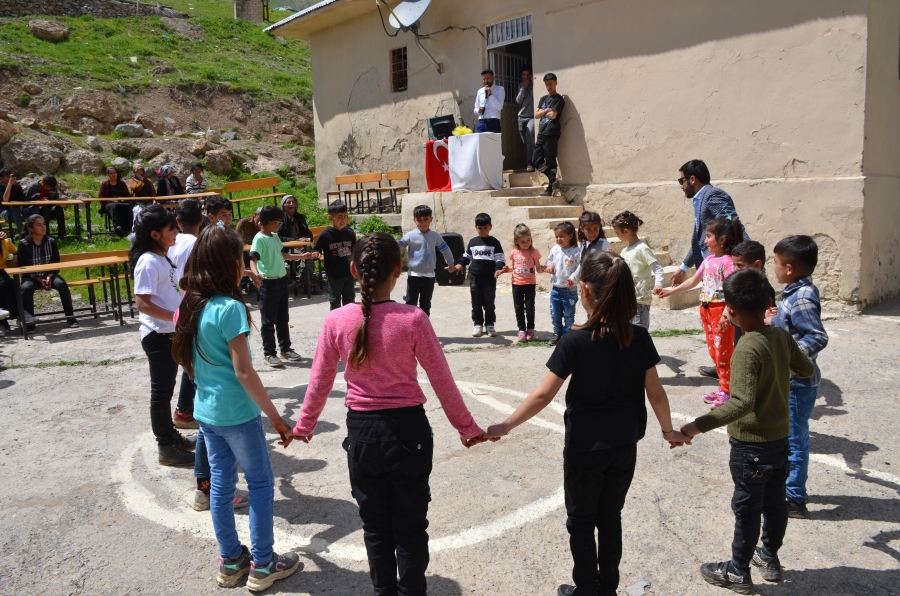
<point>389,444</point>
<point>612,363</point>
<point>590,233</point>
<point>645,269</point>
<point>211,345</point>
<point>563,265</point>
<point>526,261</point>
<point>722,235</point>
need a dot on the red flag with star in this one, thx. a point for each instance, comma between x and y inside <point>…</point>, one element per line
<point>437,166</point>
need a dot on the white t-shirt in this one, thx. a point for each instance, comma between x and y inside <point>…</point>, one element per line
<point>180,252</point>
<point>154,275</point>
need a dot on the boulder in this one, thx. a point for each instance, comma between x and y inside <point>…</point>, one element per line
<point>301,123</point>
<point>212,135</point>
<point>286,129</point>
<point>303,167</point>
<point>32,89</point>
<point>90,126</point>
<point>200,147</point>
<point>169,121</point>
<point>240,116</point>
<point>94,143</point>
<point>28,122</point>
<point>31,154</point>
<point>180,134</point>
<point>80,161</point>
<point>148,133</point>
<point>306,141</point>
<point>132,129</point>
<point>229,136</point>
<point>48,30</point>
<point>7,131</point>
<point>125,148</point>
<point>218,162</point>
<point>180,163</point>
<point>96,105</point>
<point>121,164</point>
<point>149,152</point>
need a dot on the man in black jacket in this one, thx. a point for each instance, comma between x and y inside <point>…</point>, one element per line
<point>549,109</point>
<point>45,190</point>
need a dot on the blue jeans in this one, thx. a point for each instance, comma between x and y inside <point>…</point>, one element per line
<point>801,404</point>
<point>14,214</point>
<point>228,446</point>
<point>562,309</point>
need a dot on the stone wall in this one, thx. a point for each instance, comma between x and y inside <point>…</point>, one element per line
<point>77,8</point>
<point>248,10</point>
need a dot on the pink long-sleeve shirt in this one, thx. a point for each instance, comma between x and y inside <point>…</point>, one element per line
<point>399,336</point>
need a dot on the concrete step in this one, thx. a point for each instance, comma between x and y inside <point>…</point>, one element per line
<point>536,201</point>
<point>519,191</point>
<point>520,178</point>
<point>664,258</point>
<point>549,224</point>
<point>561,211</point>
<point>689,299</point>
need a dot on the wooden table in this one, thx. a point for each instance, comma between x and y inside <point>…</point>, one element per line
<point>200,196</point>
<point>111,262</point>
<point>292,262</point>
<point>62,203</point>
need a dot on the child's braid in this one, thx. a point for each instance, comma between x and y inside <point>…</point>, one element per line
<point>375,257</point>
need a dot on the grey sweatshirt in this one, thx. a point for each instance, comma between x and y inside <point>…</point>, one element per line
<point>420,251</point>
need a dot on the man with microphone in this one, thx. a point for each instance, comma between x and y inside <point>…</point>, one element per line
<point>489,103</point>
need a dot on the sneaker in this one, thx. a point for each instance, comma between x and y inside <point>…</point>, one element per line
<point>565,590</point>
<point>715,396</point>
<point>188,443</point>
<point>280,567</point>
<point>708,371</point>
<point>291,355</point>
<point>232,569</point>
<point>490,331</point>
<point>4,314</point>
<point>769,567</point>
<point>554,339</point>
<point>529,169</point>
<point>529,334</point>
<point>721,399</point>
<point>797,510</point>
<point>30,319</point>
<point>476,331</point>
<point>548,192</point>
<point>720,574</point>
<point>521,335</point>
<point>184,420</point>
<point>72,323</point>
<point>201,500</point>
<point>176,456</point>
<point>273,361</point>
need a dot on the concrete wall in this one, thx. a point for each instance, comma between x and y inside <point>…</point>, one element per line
<point>880,251</point>
<point>75,8</point>
<point>249,10</point>
<point>771,94</point>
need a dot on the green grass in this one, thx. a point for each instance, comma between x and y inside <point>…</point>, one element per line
<point>675,332</point>
<point>235,54</point>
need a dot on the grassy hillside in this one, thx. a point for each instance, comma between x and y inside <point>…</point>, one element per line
<point>98,54</point>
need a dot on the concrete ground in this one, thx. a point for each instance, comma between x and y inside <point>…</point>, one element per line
<point>85,509</point>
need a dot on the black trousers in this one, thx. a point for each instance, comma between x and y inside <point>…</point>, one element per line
<point>273,312</point>
<point>759,472</point>
<point>484,291</point>
<point>523,302</point>
<point>55,211</point>
<point>419,291</point>
<point>30,285</point>
<point>163,371</point>
<point>8,295</point>
<point>545,150</point>
<point>596,483</point>
<point>121,214</point>
<point>341,291</point>
<point>389,454</point>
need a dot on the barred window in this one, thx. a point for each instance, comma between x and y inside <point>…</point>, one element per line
<point>398,70</point>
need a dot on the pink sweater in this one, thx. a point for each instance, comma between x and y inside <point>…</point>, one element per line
<point>399,335</point>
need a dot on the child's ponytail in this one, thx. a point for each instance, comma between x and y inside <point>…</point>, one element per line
<point>375,257</point>
<point>613,302</point>
<point>154,218</point>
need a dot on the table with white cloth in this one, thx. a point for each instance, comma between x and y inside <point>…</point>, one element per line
<point>476,162</point>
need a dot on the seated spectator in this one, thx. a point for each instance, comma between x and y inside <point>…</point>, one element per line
<point>45,190</point>
<point>10,190</point>
<point>37,248</point>
<point>7,287</point>
<point>168,184</point>
<point>139,184</point>
<point>294,225</point>
<point>119,212</point>
<point>195,182</point>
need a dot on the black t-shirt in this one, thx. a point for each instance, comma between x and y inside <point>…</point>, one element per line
<point>16,194</point>
<point>605,400</point>
<point>336,247</point>
<point>555,103</point>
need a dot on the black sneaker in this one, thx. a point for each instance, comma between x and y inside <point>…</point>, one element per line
<point>554,340</point>
<point>708,371</point>
<point>232,569</point>
<point>566,590</point>
<point>720,574</point>
<point>188,443</point>
<point>548,192</point>
<point>176,456</point>
<point>797,510</point>
<point>280,567</point>
<point>769,567</point>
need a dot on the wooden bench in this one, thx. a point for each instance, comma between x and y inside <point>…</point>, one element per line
<point>90,282</point>
<point>358,181</point>
<point>391,176</point>
<point>255,184</point>
<point>340,181</point>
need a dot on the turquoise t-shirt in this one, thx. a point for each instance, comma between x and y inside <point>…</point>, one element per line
<point>221,399</point>
<point>271,262</point>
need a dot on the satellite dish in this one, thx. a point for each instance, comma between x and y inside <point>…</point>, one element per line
<point>405,14</point>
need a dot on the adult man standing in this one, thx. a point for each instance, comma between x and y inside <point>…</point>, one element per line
<point>548,111</point>
<point>489,103</point>
<point>525,99</point>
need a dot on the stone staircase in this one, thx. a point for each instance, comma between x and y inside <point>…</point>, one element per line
<point>542,214</point>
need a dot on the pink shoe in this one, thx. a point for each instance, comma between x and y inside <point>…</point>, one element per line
<point>711,396</point>
<point>521,335</point>
<point>722,399</point>
<point>529,335</point>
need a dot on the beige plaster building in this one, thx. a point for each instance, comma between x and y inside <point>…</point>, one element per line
<point>793,104</point>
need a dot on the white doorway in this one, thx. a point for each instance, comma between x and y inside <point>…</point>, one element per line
<point>508,51</point>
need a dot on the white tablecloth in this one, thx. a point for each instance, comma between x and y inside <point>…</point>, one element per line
<point>476,162</point>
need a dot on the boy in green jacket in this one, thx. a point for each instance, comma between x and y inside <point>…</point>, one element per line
<point>758,419</point>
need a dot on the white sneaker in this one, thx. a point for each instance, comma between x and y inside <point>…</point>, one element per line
<point>490,331</point>
<point>4,314</point>
<point>476,331</point>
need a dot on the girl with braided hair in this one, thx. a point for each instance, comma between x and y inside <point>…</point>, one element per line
<point>389,444</point>
<point>646,270</point>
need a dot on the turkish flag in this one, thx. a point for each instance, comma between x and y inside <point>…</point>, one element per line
<point>437,166</point>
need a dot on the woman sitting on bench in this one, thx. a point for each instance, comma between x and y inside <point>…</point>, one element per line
<point>120,213</point>
<point>37,248</point>
<point>168,184</point>
<point>195,182</point>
